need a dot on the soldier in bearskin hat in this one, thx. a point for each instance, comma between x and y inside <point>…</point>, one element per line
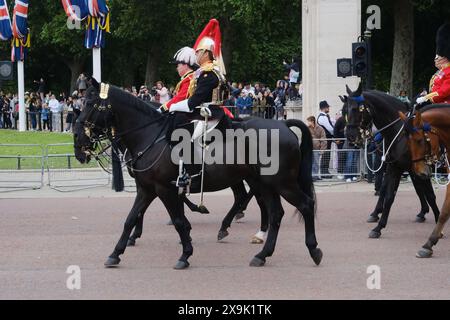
<point>440,82</point>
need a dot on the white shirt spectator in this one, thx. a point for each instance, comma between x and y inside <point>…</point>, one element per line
<point>248,89</point>
<point>325,121</point>
<point>54,105</point>
<point>163,95</point>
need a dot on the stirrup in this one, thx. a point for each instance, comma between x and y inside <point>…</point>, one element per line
<point>183,180</point>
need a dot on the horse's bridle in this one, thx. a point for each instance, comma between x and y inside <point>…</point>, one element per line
<point>108,132</point>
<point>429,158</point>
<point>365,125</point>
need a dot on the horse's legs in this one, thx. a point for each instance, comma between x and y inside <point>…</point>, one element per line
<point>141,203</point>
<point>175,207</point>
<point>240,195</point>
<point>307,208</point>
<point>392,178</point>
<point>244,206</point>
<point>258,238</point>
<point>373,217</point>
<point>273,202</point>
<point>137,233</point>
<point>193,207</point>
<point>431,198</point>
<point>427,249</point>
<point>419,186</point>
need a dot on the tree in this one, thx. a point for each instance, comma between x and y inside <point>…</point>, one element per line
<point>403,56</point>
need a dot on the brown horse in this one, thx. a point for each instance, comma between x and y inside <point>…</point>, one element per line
<point>427,130</point>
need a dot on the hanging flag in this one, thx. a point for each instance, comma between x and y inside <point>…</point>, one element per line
<point>76,9</point>
<point>98,23</point>
<point>21,33</point>
<point>20,17</point>
<point>5,21</point>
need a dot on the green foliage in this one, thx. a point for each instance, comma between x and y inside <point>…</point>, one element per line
<point>257,36</point>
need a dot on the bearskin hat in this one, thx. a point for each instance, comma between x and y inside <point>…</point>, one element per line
<point>443,41</point>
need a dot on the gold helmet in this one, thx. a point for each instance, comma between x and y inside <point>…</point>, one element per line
<point>206,43</point>
<point>211,40</point>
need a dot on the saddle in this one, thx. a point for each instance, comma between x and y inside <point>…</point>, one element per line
<point>194,122</point>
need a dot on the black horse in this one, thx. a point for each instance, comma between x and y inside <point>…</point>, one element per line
<point>241,200</point>
<point>373,107</point>
<point>142,131</point>
<point>241,197</point>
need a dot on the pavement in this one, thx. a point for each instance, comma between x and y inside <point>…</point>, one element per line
<point>45,232</point>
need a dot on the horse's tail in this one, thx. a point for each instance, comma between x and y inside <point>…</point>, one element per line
<point>305,179</point>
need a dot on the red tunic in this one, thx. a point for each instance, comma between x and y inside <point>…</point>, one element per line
<point>182,89</point>
<point>440,86</point>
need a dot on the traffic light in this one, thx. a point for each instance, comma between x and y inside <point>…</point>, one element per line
<point>6,70</point>
<point>344,68</point>
<point>360,59</point>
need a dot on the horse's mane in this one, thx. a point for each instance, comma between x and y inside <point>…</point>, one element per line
<point>386,99</point>
<point>125,98</point>
<point>434,106</point>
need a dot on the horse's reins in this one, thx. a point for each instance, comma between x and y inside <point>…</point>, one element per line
<point>108,131</point>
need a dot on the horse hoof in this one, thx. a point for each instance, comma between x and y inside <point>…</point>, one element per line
<point>131,242</point>
<point>374,234</point>
<point>181,265</point>
<point>202,209</point>
<point>424,253</point>
<point>316,255</point>
<point>420,219</point>
<point>222,235</point>
<point>256,240</point>
<point>112,262</point>
<point>239,216</point>
<point>257,262</point>
<point>373,219</point>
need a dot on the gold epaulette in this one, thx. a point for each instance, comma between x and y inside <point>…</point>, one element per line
<point>208,67</point>
<point>431,96</point>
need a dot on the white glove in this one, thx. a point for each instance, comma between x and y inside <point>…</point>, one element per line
<point>421,100</point>
<point>205,112</point>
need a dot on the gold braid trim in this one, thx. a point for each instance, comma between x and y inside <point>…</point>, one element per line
<point>192,87</point>
<point>431,96</point>
<point>432,81</point>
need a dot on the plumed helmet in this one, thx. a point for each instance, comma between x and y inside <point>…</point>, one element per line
<point>210,39</point>
<point>185,55</point>
<point>443,41</point>
<point>206,43</point>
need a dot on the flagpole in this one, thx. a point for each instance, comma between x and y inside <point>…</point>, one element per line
<point>97,64</point>
<point>21,87</point>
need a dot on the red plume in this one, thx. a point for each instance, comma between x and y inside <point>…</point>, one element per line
<point>212,30</point>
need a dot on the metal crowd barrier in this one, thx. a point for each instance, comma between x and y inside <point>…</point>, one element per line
<point>66,174</point>
<point>343,164</point>
<point>18,169</point>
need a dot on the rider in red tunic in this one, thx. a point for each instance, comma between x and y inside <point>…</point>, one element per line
<point>185,60</point>
<point>440,83</point>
